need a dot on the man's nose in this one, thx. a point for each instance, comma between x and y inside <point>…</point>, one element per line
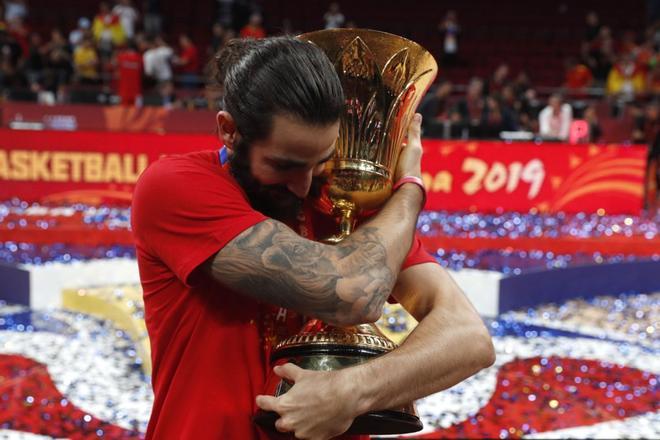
<point>300,186</point>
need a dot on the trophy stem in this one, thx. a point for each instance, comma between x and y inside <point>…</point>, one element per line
<point>346,223</point>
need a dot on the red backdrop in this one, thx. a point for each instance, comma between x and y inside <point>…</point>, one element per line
<point>85,166</point>
<point>484,176</point>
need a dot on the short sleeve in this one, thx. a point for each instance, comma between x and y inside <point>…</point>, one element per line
<point>417,254</point>
<point>185,210</point>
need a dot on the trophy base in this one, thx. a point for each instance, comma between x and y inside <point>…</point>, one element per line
<point>323,347</point>
<point>374,423</point>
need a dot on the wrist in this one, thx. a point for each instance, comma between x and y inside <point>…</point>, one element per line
<point>410,181</point>
<point>364,389</point>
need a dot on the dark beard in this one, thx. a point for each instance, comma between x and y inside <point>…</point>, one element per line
<point>274,201</point>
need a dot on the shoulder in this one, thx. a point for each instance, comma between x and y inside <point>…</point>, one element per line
<point>181,166</point>
<point>182,181</point>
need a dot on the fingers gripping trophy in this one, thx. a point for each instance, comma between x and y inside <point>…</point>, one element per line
<point>384,77</point>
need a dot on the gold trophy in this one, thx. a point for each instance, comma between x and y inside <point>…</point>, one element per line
<point>384,77</point>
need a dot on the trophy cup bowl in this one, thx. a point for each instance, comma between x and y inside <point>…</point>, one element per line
<point>384,77</point>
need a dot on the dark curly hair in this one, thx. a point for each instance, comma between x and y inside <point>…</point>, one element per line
<point>279,75</point>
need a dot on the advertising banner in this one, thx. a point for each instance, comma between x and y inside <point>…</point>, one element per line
<point>459,175</point>
<point>550,177</point>
<point>90,167</point>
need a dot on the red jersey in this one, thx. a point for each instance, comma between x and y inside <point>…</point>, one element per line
<point>191,57</point>
<point>207,347</point>
<point>579,77</point>
<point>129,66</point>
<point>256,32</point>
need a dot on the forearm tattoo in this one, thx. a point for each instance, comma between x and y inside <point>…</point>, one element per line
<point>342,283</point>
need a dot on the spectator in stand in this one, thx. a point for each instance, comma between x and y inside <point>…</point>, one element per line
<point>555,119</point>
<point>219,38</point>
<point>509,107</point>
<point>157,61</point>
<point>333,18</point>
<point>645,55</point>
<point>599,54</point>
<point>626,79</point>
<point>128,16</point>
<point>57,42</point>
<point>58,63</point>
<point>528,110</point>
<point>450,29</point>
<point>435,108</point>
<point>35,62</point>
<point>107,31</point>
<point>10,55</point>
<point>595,131</point>
<point>140,42</point>
<point>578,76</point>
<point>627,44</point>
<point>254,28</point>
<point>646,122</point>
<point>86,63</point>
<point>498,80</point>
<point>493,119</point>
<point>187,62</point>
<point>15,9</point>
<point>521,84</point>
<point>77,35</point>
<point>20,33</point>
<point>654,79</point>
<point>467,115</point>
<point>128,63</point>
<point>647,131</point>
<point>592,27</point>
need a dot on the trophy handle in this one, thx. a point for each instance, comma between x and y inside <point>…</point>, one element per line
<point>346,223</point>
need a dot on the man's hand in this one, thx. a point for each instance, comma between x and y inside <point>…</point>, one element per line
<point>410,158</point>
<point>321,404</point>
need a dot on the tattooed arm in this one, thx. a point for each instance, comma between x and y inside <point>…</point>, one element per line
<point>343,284</point>
<point>449,344</point>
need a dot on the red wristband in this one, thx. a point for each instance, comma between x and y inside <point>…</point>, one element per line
<point>411,179</point>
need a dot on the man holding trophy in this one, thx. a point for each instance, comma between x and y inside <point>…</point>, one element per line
<point>313,131</point>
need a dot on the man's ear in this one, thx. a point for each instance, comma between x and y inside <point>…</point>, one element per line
<point>227,131</point>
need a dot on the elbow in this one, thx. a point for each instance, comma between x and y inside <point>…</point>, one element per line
<point>485,353</point>
<point>368,314</point>
<point>362,308</point>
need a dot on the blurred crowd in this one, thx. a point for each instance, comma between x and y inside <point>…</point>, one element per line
<point>611,77</point>
<point>123,52</point>
<point>121,55</point>
<point>120,51</point>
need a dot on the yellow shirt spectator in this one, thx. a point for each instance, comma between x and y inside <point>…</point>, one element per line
<point>626,78</point>
<point>85,61</point>
<point>106,27</point>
